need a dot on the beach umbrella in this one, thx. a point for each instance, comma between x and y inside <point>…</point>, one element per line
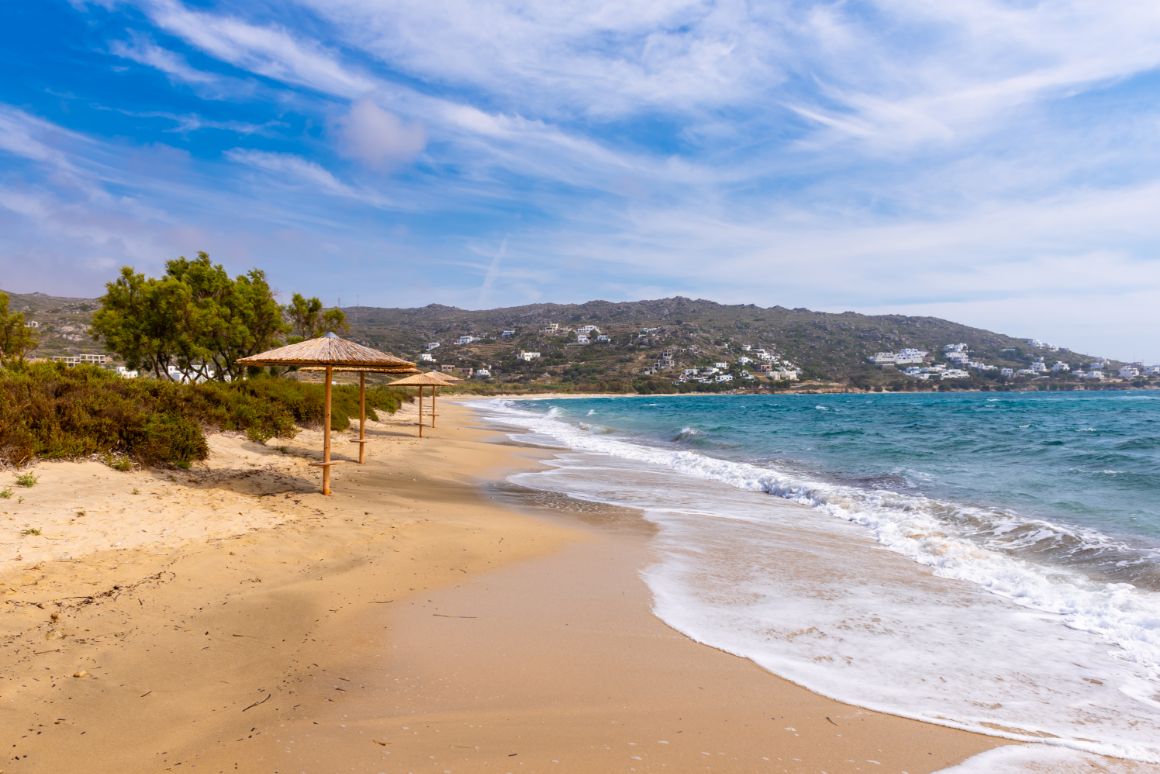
<point>330,353</point>
<point>449,379</point>
<point>430,379</point>
<point>362,396</point>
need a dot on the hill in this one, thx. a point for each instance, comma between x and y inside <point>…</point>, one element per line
<point>648,345</point>
<point>681,333</point>
<point>62,323</point>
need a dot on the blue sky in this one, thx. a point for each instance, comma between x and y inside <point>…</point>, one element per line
<point>994,163</point>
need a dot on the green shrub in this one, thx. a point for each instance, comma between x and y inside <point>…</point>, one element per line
<point>26,480</point>
<point>118,462</point>
<point>49,411</point>
<point>5,494</point>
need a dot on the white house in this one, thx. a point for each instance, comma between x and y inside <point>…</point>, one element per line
<point>958,356</point>
<point>910,356</point>
<point>721,365</point>
<point>1060,367</point>
<point>743,360</point>
<point>1007,373</point>
<point>603,339</point>
<point>884,359</point>
<point>1038,367</point>
<point>465,339</point>
<point>426,357</point>
<point>481,373</point>
<point>432,345</point>
<point>32,324</point>
<point>724,378</point>
<point>955,373</point>
<point>552,328</point>
<point>528,357</point>
<point>1129,372</point>
<point>507,333</point>
<point>587,329</point>
<point>582,339</point>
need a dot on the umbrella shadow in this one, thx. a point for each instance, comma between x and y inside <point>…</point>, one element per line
<point>255,482</point>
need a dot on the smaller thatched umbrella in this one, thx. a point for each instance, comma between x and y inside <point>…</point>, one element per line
<point>362,398</point>
<point>432,380</point>
<point>329,352</point>
<point>449,379</point>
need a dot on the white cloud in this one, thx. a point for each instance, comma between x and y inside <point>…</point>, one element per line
<point>266,50</point>
<point>144,51</point>
<point>292,168</point>
<point>570,58</point>
<point>378,138</point>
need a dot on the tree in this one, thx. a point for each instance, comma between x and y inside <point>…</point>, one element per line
<point>194,318</point>
<point>16,339</point>
<point>309,321</point>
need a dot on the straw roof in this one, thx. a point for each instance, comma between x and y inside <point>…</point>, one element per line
<point>448,378</point>
<point>420,380</point>
<point>366,369</point>
<point>328,350</point>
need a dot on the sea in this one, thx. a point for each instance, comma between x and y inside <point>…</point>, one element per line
<point>986,561</point>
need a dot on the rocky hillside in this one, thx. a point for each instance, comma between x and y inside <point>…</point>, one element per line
<point>825,347</point>
<point>643,345</point>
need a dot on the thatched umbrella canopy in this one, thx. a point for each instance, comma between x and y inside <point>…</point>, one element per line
<point>327,351</point>
<point>332,353</point>
<point>431,379</point>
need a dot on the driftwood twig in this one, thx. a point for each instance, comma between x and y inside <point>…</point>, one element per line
<point>255,704</point>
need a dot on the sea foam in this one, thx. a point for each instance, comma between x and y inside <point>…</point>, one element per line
<point>992,643</point>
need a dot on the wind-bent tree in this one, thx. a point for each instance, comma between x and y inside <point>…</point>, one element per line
<point>194,318</point>
<point>16,340</point>
<point>308,320</point>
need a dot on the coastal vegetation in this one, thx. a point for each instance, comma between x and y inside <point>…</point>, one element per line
<point>17,339</point>
<point>194,321</point>
<point>48,411</point>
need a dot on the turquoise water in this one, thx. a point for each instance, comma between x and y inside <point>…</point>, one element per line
<point>987,561</point>
<point>1089,461</point>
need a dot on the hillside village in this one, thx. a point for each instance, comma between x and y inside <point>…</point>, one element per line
<point>673,345</point>
<point>957,363</point>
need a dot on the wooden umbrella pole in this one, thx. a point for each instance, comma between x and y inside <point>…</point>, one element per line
<point>326,437</point>
<point>434,392</point>
<point>362,418</point>
<point>420,411</point>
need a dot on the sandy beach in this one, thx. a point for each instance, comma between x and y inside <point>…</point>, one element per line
<point>230,618</point>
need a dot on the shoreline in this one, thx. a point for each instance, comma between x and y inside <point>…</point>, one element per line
<point>329,628</point>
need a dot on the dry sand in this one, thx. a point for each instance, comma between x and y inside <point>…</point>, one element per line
<point>230,618</point>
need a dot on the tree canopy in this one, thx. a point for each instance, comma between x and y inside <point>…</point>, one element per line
<point>195,319</point>
<point>308,320</point>
<point>16,340</point>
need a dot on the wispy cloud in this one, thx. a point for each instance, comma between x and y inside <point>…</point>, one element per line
<point>876,155</point>
<point>143,51</point>
<point>266,50</point>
